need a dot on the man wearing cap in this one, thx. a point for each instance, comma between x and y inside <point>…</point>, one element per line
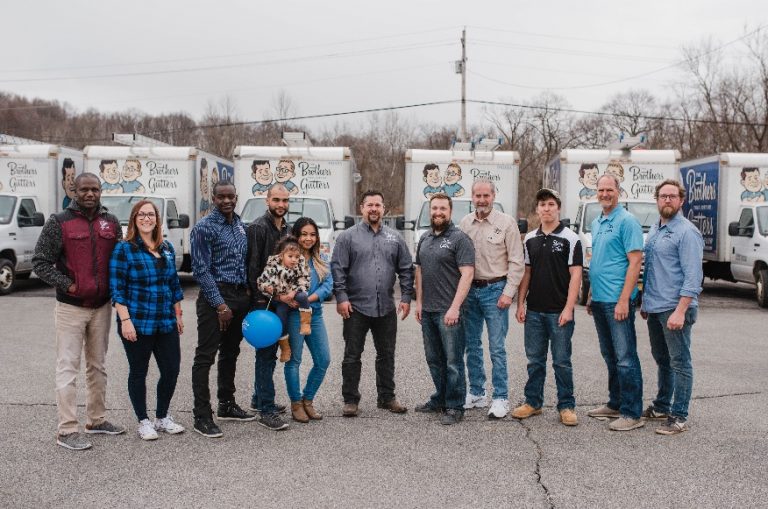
<point>498,270</point>
<point>553,264</point>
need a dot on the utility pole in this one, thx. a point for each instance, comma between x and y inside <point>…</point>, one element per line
<point>461,68</point>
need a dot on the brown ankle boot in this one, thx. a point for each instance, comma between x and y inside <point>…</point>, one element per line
<point>285,348</point>
<point>309,408</point>
<point>298,413</point>
<point>306,321</point>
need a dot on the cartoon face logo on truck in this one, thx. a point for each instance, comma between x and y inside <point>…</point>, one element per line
<point>110,177</point>
<point>451,179</point>
<point>67,181</point>
<point>262,174</point>
<point>131,174</point>
<point>284,172</point>
<point>754,188</point>
<point>588,174</point>
<point>433,180</point>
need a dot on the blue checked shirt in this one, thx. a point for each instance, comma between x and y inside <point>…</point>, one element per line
<point>147,286</point>
<point>219,252</point>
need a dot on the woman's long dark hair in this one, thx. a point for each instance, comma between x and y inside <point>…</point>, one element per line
<point>320,266</point>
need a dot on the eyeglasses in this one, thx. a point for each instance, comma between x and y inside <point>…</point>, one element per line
<point>145,215</point>
<point>670,197</point>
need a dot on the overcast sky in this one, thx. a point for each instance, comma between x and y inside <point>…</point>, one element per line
<point>334,56</point>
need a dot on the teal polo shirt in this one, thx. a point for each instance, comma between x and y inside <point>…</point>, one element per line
<point>612,238</point>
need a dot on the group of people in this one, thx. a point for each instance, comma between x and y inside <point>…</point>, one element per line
<point>463,277</point>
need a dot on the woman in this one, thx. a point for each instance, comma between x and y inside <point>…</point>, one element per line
<point>321,283</point>
<point>147,297</point>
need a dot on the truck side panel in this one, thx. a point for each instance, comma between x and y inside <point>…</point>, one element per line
<point>703,190</point>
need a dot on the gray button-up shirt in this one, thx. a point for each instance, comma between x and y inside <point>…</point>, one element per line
<point>364,266</point>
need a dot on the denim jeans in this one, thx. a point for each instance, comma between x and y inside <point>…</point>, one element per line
<point>317,342</point>
<point>444,350</point>
<point>618,344</point>
<point>282,309</point>
<point>384,332</point>
<point>541,331</point>
<point>480,307</point>
<point>672,351</point>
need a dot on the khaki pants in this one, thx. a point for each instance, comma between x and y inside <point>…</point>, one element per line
<point>79,329</point>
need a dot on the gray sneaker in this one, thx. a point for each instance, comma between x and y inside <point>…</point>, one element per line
<point>106,428</point>
<point>604,413</point>
<point>673,426</point>
<point>651,414</point>
<point>73,441</point>
<point>625,423</point>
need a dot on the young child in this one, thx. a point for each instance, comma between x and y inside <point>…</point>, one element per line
<point>287,273</point>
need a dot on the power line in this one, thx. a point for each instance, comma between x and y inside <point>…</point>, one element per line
<point>565,51</point>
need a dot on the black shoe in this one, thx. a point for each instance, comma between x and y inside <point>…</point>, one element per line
<point>451,416</point>
<point>229,411</point>
<point>206,427</point>
<point>428,408</point>
<point>280,409</point>
<point>273,422</point>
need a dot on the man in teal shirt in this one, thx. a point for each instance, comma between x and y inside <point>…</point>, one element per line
<point>617,254</point>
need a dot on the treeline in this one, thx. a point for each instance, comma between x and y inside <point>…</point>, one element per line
<point>719,104</point>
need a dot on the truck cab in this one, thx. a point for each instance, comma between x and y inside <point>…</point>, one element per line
<point>20,225</point>
<point>174,224</point>
<point>749,248</point>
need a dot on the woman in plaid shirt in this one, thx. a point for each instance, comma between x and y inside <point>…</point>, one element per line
<point>147,297</point>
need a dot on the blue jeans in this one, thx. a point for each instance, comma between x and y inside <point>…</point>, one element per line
<point>541,331</point>
<point>618,344</point>
<point>282,309</point>
<point>317,342</point>
<point>444,350</point>
<point>672,351</point>
<point>480,307</point>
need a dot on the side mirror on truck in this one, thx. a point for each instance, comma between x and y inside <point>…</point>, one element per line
<point>566,222</point>
<point>402,224</point>
<point>735,230</point>
<point>522,225</point>
<point>181,222</point>
<point>36,219</point>
<point>348,222</point>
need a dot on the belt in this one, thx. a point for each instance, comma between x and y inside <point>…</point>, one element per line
<point>233,286</point>
<point>482,283</point>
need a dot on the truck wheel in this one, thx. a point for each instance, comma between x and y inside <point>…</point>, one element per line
<point>762,288</point>
<point>584,291</point>
<point>7,277</point>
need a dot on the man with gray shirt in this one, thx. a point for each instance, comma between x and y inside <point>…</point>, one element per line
<point>445,261</point>
<point>365,261</point>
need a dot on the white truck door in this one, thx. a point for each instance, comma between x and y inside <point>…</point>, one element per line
<point>742,250</point>
<point>26,234</point>
<point>171,231</point>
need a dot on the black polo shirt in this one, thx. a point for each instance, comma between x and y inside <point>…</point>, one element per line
<point>440,256</point>
<point>550,257</point>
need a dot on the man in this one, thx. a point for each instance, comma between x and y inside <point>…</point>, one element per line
<point>498,271</point>
<point>553,262</point>
<point>444,269</point>
<point>617,243</point>
<point>72,255</point>
<point>365,261</point>
<point>219,247</point>
<point>68,181</point>
<point>673,275</point>
<point>263,235</point>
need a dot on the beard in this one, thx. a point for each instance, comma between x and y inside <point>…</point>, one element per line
<point>668,212</point>
<point>439,223</point>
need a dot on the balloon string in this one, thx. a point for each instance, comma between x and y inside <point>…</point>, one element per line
<point>269,302</point>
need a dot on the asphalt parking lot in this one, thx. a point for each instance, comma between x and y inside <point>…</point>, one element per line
<point>385,460</point>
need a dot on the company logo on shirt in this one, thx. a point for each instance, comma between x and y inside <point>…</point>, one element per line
<point>103,225</point>
<point>445,244</point>
<point>390,237</point>
<point>557,246</point>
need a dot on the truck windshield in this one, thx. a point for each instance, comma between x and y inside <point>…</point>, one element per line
<point>7,203</point>
<point>645,213</point>
<point>297,207</point>
<point>121,206</point>
<point>762,220</point>
<point>460,209</point>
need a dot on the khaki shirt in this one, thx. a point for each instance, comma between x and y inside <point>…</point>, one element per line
<point>498,248</point>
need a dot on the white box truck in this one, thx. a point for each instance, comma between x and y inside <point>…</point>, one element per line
<point>35,182</point>
<point>452,172</point>
<point>176,179</point>
<point>727,199</point>
<point>574,175</point>
<point>320,180</point>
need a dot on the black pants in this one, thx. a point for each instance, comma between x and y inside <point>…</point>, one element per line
<point>168,357</point>
<point>384,331</point>
<point>210,340</point>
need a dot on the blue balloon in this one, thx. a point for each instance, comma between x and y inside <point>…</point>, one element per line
<point>262,328</point>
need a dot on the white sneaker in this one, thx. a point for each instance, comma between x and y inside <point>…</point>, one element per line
<point>168,425</point>
<point>147,430</point>
<point>473,401</point>
<point>499,408</point>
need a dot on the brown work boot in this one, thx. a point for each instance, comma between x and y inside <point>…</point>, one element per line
<point>524,411</point>
<point>310,409</point>
<point>349,410</point>
<point>393,406</point>
<point>568,417</point>
<point>285,348</point>
<point>305,317</point>
<point>298,413</point>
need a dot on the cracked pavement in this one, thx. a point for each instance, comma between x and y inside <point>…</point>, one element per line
<point>386,460</point>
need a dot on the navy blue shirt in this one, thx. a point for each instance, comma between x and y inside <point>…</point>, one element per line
<point>219,249</point>
<point>148,286</point>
